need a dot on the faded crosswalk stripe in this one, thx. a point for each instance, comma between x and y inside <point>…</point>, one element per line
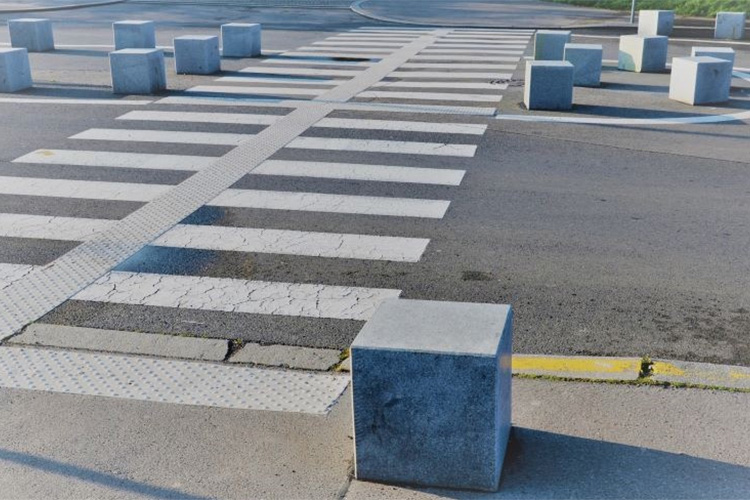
<point>167,136</point>
<point>430,96</point>
<point>376,146</point>
<point>115,160</point>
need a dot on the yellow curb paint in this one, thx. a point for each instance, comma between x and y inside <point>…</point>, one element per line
<point>575,364</point>
<point>662,368</point>
<point>738,375</point>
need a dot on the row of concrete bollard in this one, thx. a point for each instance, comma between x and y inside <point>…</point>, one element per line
<point>136,65</point>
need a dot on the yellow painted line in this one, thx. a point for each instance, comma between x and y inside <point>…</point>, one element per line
<point>575,364</point>
<point>738,375</point>
<point>664,368</point>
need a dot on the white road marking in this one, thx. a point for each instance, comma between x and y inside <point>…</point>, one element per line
<point>269,70</point>
<point>404,126</point>
<point>467,57</point>
<point>477,36</point>
<point>271,91</point>
<point>359,44</point>
<point>281,79</point>
<point>442,85</point>
<point>472,51</point>
<point>237,296</point>
<point>50,228</point>
<point>81,102</point>
<point>343,55</point>
<point>479,41</point>
<point>162,136</point>
<point>431,96</point>
<point>307,50</point>
<point>10,273</point>
<point>317,62</point>
<point>473,46</point>
<point>375,146</point>
<point>350,171</point>
<point>444,75</point>
<point>185,116</point>
<point>92,190</point>
<point>457,66</point>
<point>687,120</point>
<point>115,160</point>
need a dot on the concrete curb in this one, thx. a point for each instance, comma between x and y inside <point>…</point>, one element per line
<point>61,7</point>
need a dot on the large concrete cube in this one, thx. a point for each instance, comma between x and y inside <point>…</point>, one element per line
<point>15,73</point>
<point>587,63</point>
<point>34,35</point>
<point>655,22</point>
<point>548,85</point>
<point>431,386</point>
<point>700,80</point>
<point>549,45</point>
<point>137,71</point>
<point>730,25</point>
<point>643,54</point>
<point>134,35</point>
<point>241,40</point>
<point>197,55</point>
<point>726,53</point>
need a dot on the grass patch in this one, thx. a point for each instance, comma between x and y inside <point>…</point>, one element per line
<point>698,8</point>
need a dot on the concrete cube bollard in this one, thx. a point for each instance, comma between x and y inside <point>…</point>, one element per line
<point>197,55</point>
<point>548,85</point>
<point>34,35</point>
<point>725,53</point>
<point>643,54</point>
<point>549,45</point>
<point>134,35</point>
<point>730,25</point>
<point>431,386</point>
<point>137,71</point>
<point>700,80</point>
<point>587,63</point>
<point>655,22</point>
<point>241,40</point>
<point>15,72</point>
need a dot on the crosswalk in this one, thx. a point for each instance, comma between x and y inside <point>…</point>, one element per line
<point>342,165</point>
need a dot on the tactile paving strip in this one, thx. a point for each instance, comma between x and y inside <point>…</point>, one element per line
<point>169,381</point>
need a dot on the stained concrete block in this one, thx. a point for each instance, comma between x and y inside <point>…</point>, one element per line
<point>548,85</point>
<point>643,54</point>
<point>655,22</point>
<point>431,391</point>
<point>137,71</point>
<point>197,55</point>
<point>549,45</point>
<point>587,63</point>
<point>34,35</point>
<point>134,35</point>
<point>730,25</point>
<point>725,53</point>
<point>15,73</point>
<point>700,80</point>
<point>241,40</point>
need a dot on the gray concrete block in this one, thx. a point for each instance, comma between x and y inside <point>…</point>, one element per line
<point>643,54</point>
<point>134,35</point>
<point>431,391</point>
<point>241,40</point>
<point>655,22</point>
<point>15,73</point>
<point>34,35</point>
<point>301,358</point>
<point>587,63</point>
<point>726,53</point>
<point>730,25</point>
<point>549,45</point>
<point>548,85</point>
<point>197,55</point>
<point>137,71</point>
<point>700,80</point>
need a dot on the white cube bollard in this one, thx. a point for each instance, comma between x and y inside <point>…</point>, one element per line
<point>730,25</point>
<point>643,54</point>
<point>137,71</point>
<point>34,35</point>
<point>725,53</point>
<point>134,35</point>
<point>549,45</point>
<point>700,80</point>
<point>241,40</point>
<point>197,55</point>
<point>431,386</point>
<point>587,63</point>
<point>548,85</point>
<point>15,73</point>
<point>655,22</point>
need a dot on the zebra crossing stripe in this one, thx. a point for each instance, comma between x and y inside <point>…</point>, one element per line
<point>162,136</point>
<point>458,66</point>
<point>270,91</point>
<point>10,273</point>
<point>92,190</point>
<point>194,117</point>
<point>280,79</point>
<point>316,62</point>
<point>378,146</point>
<point>115,160</point>
<point>474,46</point>
<point>403,126</point>
<point>430,96</point>
<point>359,44</point>
<point>444,75</point>
<point>466,57</point>
<point>442,85</point>
<point>343,55</point>
<point>469,52</point>
<point>269,70</point>
<point>313,50</point>
<point>50,228</point>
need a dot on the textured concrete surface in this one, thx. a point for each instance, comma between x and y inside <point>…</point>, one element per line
<point>700,80</point>
<point>730,25</point>
<point>195,54</point>
<point>137,71</point>
<point>655,22</point>
<point>586,59</point>
<point>550,45</point>
<point>643,54</point>
<point>548,85</point>
<point>15,73</point>
<point>301,358</point>
<point>241,40</point>
<point>34,35</point>
<point>134,34</point>
<point>726,53</point>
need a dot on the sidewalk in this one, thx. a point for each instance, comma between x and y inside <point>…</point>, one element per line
<point>20,6</point>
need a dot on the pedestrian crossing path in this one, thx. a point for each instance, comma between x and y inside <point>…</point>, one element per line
<point>346,152</point>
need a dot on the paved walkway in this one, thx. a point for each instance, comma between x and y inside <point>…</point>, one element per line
<point>11,6</point>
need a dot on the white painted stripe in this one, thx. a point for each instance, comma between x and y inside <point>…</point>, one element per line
<point>364,38</point>
<point>473,46</point>
<point>317,62</point>
<point>50,228</point>
<point>443,85</point>
<point>477,36</point>
<point>82,102</point>
<point>237,296</point>
<point>269,70</point>
<point>307,50</point>
<point>115,160</point>
<point>92,190</point>
<point>350,171</point>
<point>444,75</point>
<point>10,273</point>
<point>166,136</point>
<point>467,57</point>
<point>353,55</point>
<point>271,91</point>
<point>359,44</point>
<point>373,146</point>
<point>430,96</point>
<point>404,126</point>
<point>497,43</point>
<point>169,381</point>
<point>289,80</point>
<point>457,66</point>
<point>184,116</point>
<point>472,52</point>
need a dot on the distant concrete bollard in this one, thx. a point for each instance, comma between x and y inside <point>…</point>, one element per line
<point>587,63</point>
<point>241,40</point>
<point>134,35</point>
<point>726,53</point>
<point>197,55</point>
<point>655,22</point>
<point>730,25</point>
<point>643,54</point>
<point>34,35</point>
<point>549,45</point>
<point>15,73</point>
<point>137,71</point>
<point>700,80</point>
<point>548,85</point>
<point>431,386</point>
